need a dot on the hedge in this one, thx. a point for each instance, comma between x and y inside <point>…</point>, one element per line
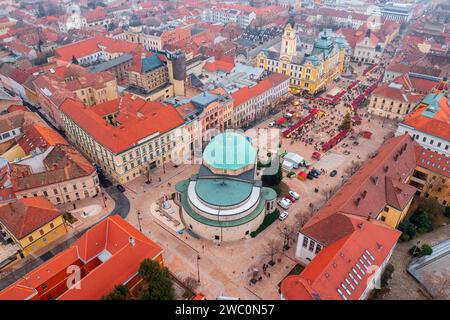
<point>268,220</point>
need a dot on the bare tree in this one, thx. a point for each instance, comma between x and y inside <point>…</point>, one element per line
<point>288,234</point>
<point>191,283</point>
<point>272,249</point>
<point>352,168</point>
<point>329,192</point>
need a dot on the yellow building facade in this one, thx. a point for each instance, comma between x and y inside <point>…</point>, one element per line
<point>20,228</point>
<point>309,72</point>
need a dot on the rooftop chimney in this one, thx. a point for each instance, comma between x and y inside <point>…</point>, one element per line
<point>132,241</point>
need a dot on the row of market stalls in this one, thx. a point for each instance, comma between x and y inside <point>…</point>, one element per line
<point>312,113</point>
<point>333,96</point>
<point>335,140</point>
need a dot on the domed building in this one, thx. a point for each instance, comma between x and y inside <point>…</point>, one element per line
<point>225,201</point>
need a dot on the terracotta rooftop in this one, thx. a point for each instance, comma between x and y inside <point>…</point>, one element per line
<point>109,254</point>
<point>94,45</point>
<point>365,194</point>
<point>136,119</point>
<point>432,116</point>
<point>24,216</point>
<point>343,268</point>
<point>246,93</point>
<point>433,161</point>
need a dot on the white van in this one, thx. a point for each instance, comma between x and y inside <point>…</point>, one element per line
<point>272,124</point>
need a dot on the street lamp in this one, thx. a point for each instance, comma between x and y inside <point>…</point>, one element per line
<point>139,220</point>
<point>198,269</point>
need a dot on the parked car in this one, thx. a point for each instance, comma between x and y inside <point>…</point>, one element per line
<point>294,194</point>
<point>283,215</point>
<point>272,124</point>
<point>310,176</point>
<point>285,204</point>
<point>333,173</point>
<point>313,174</point>
<point>315,171</point>
<point>120,188</point>
<point>290,198</point>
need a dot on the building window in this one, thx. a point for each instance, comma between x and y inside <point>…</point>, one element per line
<point>41,232</point>
<point>318,248</point>
<point>52,225</point>
<point>30,238</point>
<point>311,246</point>
<point>305,242</point>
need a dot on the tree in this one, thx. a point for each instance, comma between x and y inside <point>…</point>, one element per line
<point>346,122</point>
<point>352,168</point>
<point>426,250</point>
<point>119,293</point>
<point>329,192</point>
<point>271,250</point>
<point>408,229</point>
<point>287,235</point>
<point>191,283</point>
<point>421,221</point>
<point>158,279</point>
<point>431,206</point>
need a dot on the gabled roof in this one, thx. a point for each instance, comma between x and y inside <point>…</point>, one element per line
<point>342,270</point>
<point>123,247</point>
<point>364,194</point>
<point>24,216</point>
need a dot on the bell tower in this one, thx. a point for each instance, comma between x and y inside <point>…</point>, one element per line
<point>289,41</point>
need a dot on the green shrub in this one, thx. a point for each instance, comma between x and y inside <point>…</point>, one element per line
<point>408,228</point>
<point>415,251</point>
<point>404,237</point>
<point>422,221</point>
<point>290,174</point>
<point>426,250</point>
<point>268,220</point>
<point>119,293</point>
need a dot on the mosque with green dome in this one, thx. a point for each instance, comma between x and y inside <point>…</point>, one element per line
<point>225,201</point>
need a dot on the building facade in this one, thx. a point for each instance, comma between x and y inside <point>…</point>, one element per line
<point>309,73</point>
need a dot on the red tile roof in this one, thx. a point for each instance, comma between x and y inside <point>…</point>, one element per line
<point>433,161</point>
<point>438,125</point>
<point>367,246</point>
<point>38,136</point>
<point>365,194</point>
<point>121,260</point>
<point>138,119</point>
<point>219,65</point>
<point>92,45</point>
<point>246,93</point>
<point>24,216</point>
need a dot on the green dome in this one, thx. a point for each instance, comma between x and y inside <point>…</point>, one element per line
<point>229,151</point>
<point>223,192</point>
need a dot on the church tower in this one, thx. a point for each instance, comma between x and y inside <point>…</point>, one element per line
<point>289,40</point>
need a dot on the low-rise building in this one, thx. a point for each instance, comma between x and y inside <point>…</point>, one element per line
<point>107,255</point>
<point>72,81</point>
<point>31,224</point>
<point>42,163</point>
<point>348,243</point>
<point>428,124</point>
<point>251,103</point>
<point>432,175</point>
